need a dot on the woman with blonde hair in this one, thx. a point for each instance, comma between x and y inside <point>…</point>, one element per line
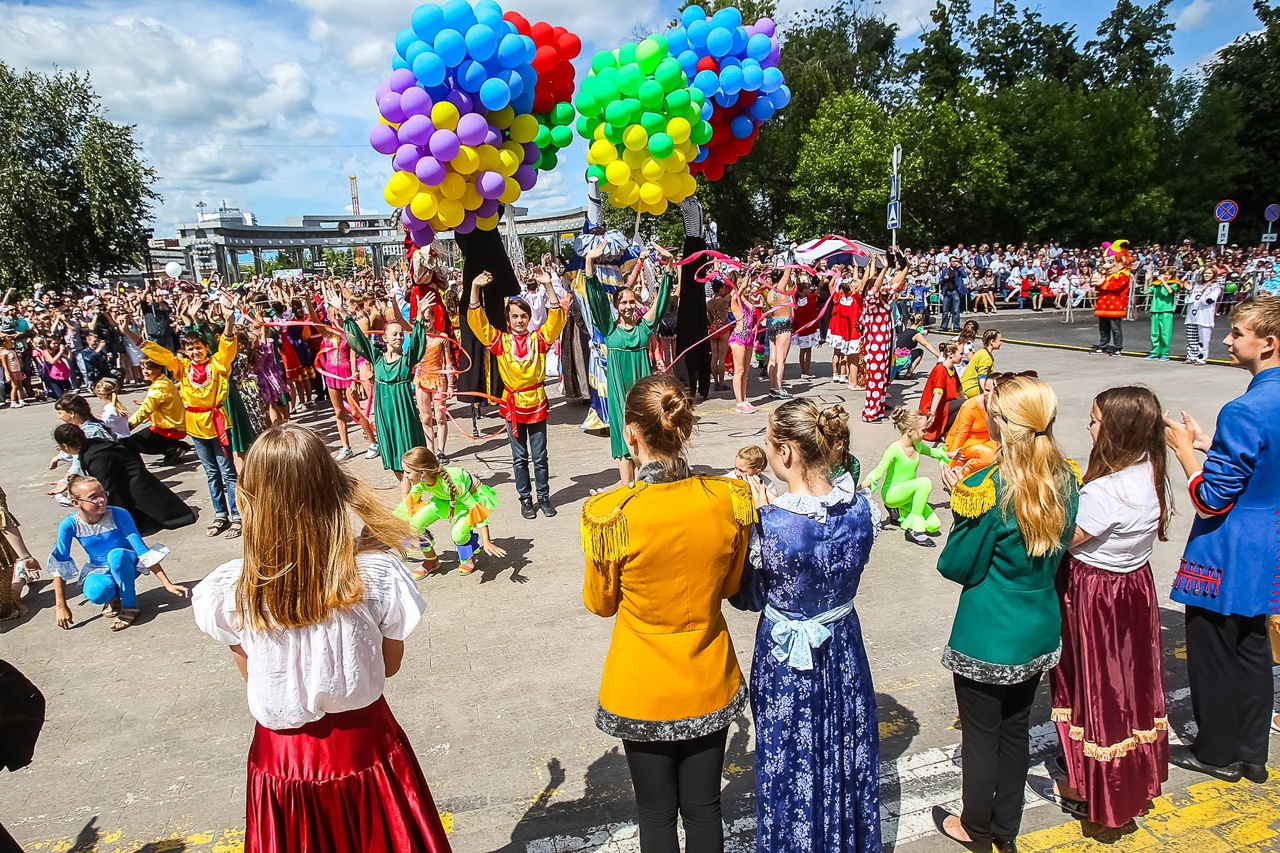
<point>316,615</point>
<point>1013,521</point>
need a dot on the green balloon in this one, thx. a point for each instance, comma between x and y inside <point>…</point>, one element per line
<point>627,54</point>
<point>586,104</point>
<point>630,78</point>
<point>653,122</point>
<point>602,60</point>
<point>636,109</point>
<point>562,114</point>
<point>648,55</point>
<point>614,132</point>
<point>543,137</point>
<point>661,145</point>
<point>701,133</point>
<point>548,161</point>
<point>605,91</point>
<point>670,74</point>
<point>691,114</point>
<point>677,101</point>
<point>1231,287</point>
<point>596,172</point>
<point>561,136</point>
<point>584,128</point>
<point>651,94</point>
<point>696,96</point>
<point>617,114</point>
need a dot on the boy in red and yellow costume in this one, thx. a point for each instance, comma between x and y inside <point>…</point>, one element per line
<point>1113,296</point>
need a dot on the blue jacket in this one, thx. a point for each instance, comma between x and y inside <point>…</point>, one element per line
<point>1232,560</point>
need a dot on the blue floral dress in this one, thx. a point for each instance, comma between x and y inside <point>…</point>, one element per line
<point>817,740</point>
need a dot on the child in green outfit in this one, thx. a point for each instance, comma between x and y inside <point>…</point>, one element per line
<point>433,492</point>
<point>1164,295</point>
<point>901,488</point>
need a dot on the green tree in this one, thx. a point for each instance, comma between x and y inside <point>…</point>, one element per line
<point>942,62</point>
<point>1007,49</point>
<point>340,261</point>
<point>1130,50</point>
<point>74,192</point>
<point>534,249</point>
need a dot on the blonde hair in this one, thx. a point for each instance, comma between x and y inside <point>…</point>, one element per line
<point>108,391</point>
<point>1261,314</point>
<point>753,456</point>
<point>421,459</point>
<point>820,436</point>
<point>299,536</point>
<point>905,419</point>
<point>1034,471</point>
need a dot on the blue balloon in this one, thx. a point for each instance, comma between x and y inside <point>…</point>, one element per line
<point>398,62</point>
<point>489,13</point>
<point>427,21</point>
<point>524,103</point>
<point>511,51</point>
<point>677,40</point>
<point>741,127</point>
<point>697,33</point>
<point>471,76</point>
<point>726,100</point>
<point>404,38</point>
<point>515,83</point>
<point>482,42</point>
<point>728,18</point>
<point>758,47</point>
<point>702,154</point>
<point>430,70</point>
<point>494,94</point>
<point>529,77</point>
<point>772,80</point>
<point>740,40</point>
<point>693,13</point>
<point>729,61</point>
<point>530,49</point>
<point>458,15</point>
<point>781,98</point>
<point>708,110</point>
<point>451,48</point>
<point>414,50</point>
<point>752,75</point>
<point>731,80</point>
<point>688,62</point>
<point>762,109</point>
<point>707,82</point>
<point>719,42</point>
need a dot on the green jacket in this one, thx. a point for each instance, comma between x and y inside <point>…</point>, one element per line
<point>1164,295</point>
<point>1007,625</point>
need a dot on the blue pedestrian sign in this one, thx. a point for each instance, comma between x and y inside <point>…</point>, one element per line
<point>895,215</point>
<point>1226,210</point>
<point>893,188</point>
<point>1272,213</point>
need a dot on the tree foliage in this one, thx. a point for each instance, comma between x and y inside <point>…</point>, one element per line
<point>74,193</point>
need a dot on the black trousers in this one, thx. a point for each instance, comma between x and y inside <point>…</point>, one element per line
<point>995,745</point>
<point>1229,664</point>
<point>682,777</point>
<point>1110,334</point>
<point>149,443</point>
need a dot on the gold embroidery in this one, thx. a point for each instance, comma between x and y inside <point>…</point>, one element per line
<point>1117,750</point>
<point>972,501</point>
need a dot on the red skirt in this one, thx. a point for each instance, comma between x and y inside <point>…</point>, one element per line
<point>1108,690</point>
<point>347,783</point>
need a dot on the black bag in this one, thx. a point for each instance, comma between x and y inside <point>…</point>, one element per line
<point>21,717</point>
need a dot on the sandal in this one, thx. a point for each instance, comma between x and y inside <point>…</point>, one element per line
<point>125,618</point>
<point>218,527</point>
<point>111,609</point>
<point>234,532</point>
<point>467,567</point>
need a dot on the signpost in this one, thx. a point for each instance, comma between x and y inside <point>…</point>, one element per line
<point>1271,214</point>
<point>893,215</point>
<point>1226,211</point>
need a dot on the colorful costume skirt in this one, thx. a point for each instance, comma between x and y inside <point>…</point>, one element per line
<point>347,783</point>
<point>1108,690</point>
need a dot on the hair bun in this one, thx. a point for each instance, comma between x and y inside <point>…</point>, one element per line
<point>675,409</point>
<point>833,422</point>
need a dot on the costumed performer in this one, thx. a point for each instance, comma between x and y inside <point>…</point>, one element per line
<point>744,314</point>
<point>521,358</point>
<point>435,381</point>
<point>969,441</point>
<point>627,338</point>
<point>116,552</point>
<point>1164,296</point>
<point>876,325</point>
<point>165,416</point>
<point>434,492</point>
<point>1202,312</point>
<point>483,251</point>
<point>1113,296</point>
<point>337,364</point>
<point>900,488</point>
<point>692,344</point>
<point>940,399</point>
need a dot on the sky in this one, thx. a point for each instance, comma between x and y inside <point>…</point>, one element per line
<point>267,105</point>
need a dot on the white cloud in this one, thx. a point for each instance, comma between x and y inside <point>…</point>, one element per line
<point>1194,14</point>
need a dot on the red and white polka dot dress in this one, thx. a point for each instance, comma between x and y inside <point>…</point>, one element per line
<point>877,345</point>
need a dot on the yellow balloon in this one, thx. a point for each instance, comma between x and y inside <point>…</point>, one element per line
<point>511,193</point>
<point>634,159</point>
<point>636,138</point>
<point>524,128</point>
<point>424,205</point>
<point>396,125</point>
<point>652,170</point>
<point>502,119</point>
<point>650,193</point>
<point>508,162</point>
<point>444,115</point>
<point>674,162</point>
<point>690,184</point>
<point>628,193</point>
<point>401,188</point>
<point>467,160</point>
<point>671,186</point>
<point>490,159</point>
<point>618,172</point>
<point>616,199</point>
<point>599,132</point>
<point>471,199</point>
<point>602,153</point>
<point>487,223</point>
<point>451,213</point>
<point>515,148</point>
<point>452,188</point>
<point>678,129</point>
<point>689,150</point>
<point>659,208</point>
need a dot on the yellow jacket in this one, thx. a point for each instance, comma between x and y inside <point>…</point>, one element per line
<point>163,407</point>
<point>203,398</point>
<point>525,400</point>
<point>661,558</point>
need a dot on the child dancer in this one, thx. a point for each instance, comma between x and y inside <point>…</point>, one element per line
<point>940,399</point>
<point>113,414</point>
<point>336,359</point>
<point>748,466</point>
<point>901,488</point>
<point>1202,305</point>
<point>1164,293</point>
<point>117,555</point>
<point>435,380</point>
<point>432,492</point>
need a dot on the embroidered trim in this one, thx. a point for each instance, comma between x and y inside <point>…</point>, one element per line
<point>604,537</point>
<point>1198,579</point>
<point>972,501</point>
<point>997,673</point>
<point>1075,470</point>
<point>1116,750</point>
<point>744,508</point>
<point>688,728</point>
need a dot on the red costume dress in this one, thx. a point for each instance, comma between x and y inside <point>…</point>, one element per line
<point>944,383</point>
<point>1113,298</point>
<point>876,325</point>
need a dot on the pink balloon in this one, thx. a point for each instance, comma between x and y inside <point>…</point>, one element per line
<point>472,129</point>
<point>491,185</point>
<point>415,102</point>
<point>383,138</point>
<point>766,26</point>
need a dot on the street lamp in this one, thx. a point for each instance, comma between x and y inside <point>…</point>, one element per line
<point>147,234</point>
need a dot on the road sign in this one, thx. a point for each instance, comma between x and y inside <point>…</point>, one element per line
<point>1270,237</point>
<point>1226,210</point>
<point>895,215</point>
<point>893,187</point>
<point>897,158</point>
<point>1272,213</point>
<point>1223,228</point>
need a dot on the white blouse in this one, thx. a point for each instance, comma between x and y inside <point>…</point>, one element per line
<point>298,675</point>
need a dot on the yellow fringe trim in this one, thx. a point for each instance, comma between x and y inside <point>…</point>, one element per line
<point>973,501</point>
<point>1060,715</point>
<point>1118,750</point>
<point>1075,469</point>
<point>605,540</point>
<point>744,508</point>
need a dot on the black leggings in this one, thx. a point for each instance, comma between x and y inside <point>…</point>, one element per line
<point>682,777</point>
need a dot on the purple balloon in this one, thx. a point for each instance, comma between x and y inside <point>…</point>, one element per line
<point>383,138</point>
<point>423,236</point>
<point>408,220</point>
<point>766,26</point>
<point>531,152</point>
<point>774,55</point>
<point>462,101</point>
<point>488,207</point>
<point>389,106</point>
<point>526,176</point>
<point>467,225</point>
<point>383,88</point>
<point>472,128</point>
<point>402,79</point>
<point>416,129</point>
<point>430,171</point>
<point>491,184</point>
<point>407,157</point>
<point>415,102</point>
<point>493,137</point>
<point>444,145</point>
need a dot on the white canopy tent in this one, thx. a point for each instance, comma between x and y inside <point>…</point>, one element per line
<point>837,250</point>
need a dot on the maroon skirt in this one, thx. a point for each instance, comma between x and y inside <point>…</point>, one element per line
<point>1108,690</point>
<point>347,783</point>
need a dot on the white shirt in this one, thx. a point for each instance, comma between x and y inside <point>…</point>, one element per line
<point>1122,513</point>
<point>1202,304</point>
<point>298,675</point>
<point>116,422</point>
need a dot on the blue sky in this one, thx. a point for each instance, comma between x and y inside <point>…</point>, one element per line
<point>267,105</point>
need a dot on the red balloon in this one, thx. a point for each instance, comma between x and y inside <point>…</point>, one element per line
<point>714,172</point>
<point>564,68</point>
<point>746,99</point>
<point>521,22</point>
<point>544,102</point>
<point>562,89</point>
<point>559,31</point>
<point>545,59</point>
<point>570,45</point>
<point>708,63</point>
<point>542,33</point>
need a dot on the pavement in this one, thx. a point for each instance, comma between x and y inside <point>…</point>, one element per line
<point>147,731</point>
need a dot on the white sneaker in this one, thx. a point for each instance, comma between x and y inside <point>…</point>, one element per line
<point>344,454</point>
<point>372,452</point>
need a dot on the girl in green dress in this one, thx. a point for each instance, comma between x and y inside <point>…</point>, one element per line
<point>627,340</point>
<point>432,492</point>
<point>901,489</point>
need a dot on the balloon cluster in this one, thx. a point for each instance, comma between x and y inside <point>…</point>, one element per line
<point>644,124</point>
<point>457,118</point>
<point>736,68</point>
<point>552,97</point>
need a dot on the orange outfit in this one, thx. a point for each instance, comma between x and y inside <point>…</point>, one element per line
<point>969,435</point>
<point>1113,295</point>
